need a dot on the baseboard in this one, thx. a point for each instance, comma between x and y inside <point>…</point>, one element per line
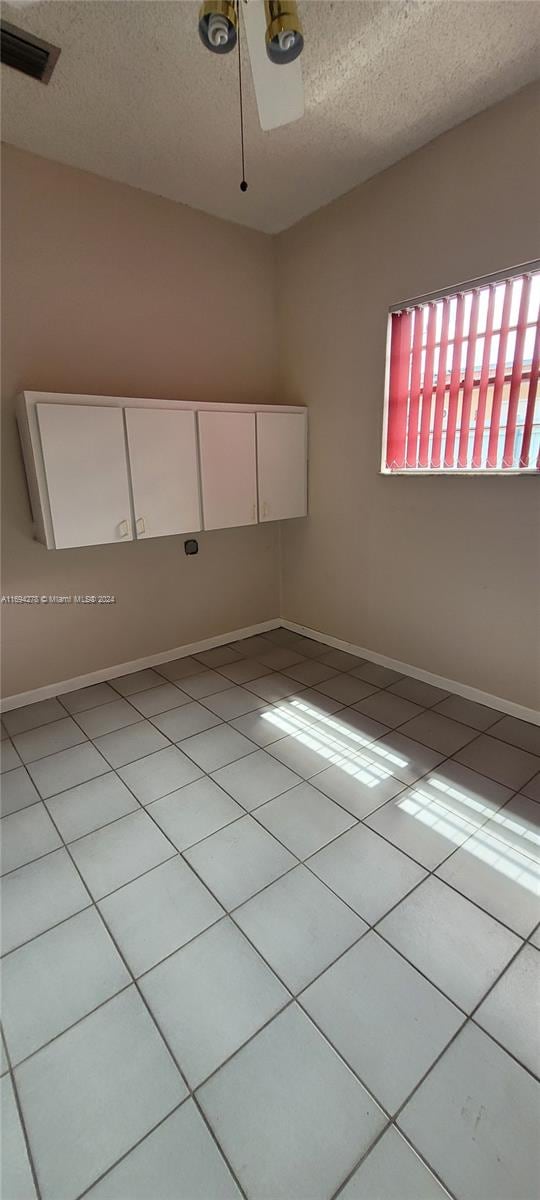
<point>153,660</point>
<point>448,685</point>
<point>127,668</point>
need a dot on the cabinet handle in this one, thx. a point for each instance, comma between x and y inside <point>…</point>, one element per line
<point>141,528</point>
<point>265,509</point>
<point>123,528</point>
<point>254,512</point>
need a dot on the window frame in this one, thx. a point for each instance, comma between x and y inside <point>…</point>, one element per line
<point>532,267</point>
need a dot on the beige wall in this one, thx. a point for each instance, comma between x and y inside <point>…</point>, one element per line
<point>107,289</point>
<point>441,573</point>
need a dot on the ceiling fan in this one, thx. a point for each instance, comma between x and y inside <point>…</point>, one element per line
<point>274,39</point>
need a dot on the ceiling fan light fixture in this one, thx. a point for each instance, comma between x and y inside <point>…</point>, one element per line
<point>284,37</point>
<point>218,25</point>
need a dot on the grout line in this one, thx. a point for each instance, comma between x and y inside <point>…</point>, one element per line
<point>445,1186</point>
<point>62,791</point>
<point>50,1041</point>
<point>10,1073</point>
<point>222,916</point>
<point>56,925</point>
<point>30,761</point>
<point>24,807</point>
<point>487,1033</point>
<point>366,1154</point>
<point>218,1144</point>
<point>533,934</point>
<point>105,824</point>
<point>112,683</point>
<point>135,1145</point>
<point>35,859</point>
<point>148,870</point>
<point>279,1012</point>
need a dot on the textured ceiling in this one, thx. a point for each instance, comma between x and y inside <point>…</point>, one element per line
<point>136,98</point>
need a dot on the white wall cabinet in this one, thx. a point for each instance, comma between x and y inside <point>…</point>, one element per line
<point>228,469</point>
<point>111,469</point>
<point>282,465</point>
<point>84,461</point>
<point>164,471</point>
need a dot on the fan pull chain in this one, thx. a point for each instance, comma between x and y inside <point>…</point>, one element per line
<point>243,185</point>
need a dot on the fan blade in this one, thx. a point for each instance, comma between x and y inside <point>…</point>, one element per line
<point>279,88</point>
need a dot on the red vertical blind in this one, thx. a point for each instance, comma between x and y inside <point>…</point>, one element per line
<point>479,427</point>
<point>500,373</point>
<point>464,380</point>
<point>400,354</point>
<point>464,433</point>
<point>455,380</point>
<point>416,383</point>
<point>531,400</point>
<point>441,387</point>
<point>517,375</point>
<point>427,388</point>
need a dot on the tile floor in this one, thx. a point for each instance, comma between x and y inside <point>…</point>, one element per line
<point>270,928</point>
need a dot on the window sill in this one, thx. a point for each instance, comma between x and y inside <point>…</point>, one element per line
<point>452,472</point>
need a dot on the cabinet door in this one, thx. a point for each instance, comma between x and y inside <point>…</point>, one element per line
<point>164,471</point>
<point>84,458</point>
<point>228,469</point>
<point>282,463</point>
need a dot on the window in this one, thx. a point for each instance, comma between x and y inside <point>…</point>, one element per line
<point>463,379</point>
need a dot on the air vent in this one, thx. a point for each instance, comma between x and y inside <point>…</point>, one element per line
<point>27,53</point>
